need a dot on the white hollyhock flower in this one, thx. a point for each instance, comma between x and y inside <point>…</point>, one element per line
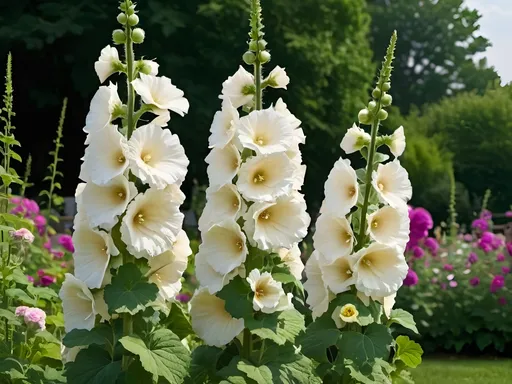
<point>387,301</point>
<point>104,203</point>
<point>239,88</point>
<point>157,157</point>
<point>175,194</point>
<point>210,278</point>
<point>162,117</point>
<point>277,78</point>
<point>105,157</point>
<point>223,165</point>
<point>77,304</point>
<point>318,294</point>
<point>222,204</point>
<point>149,67</point>
<point>278,224</point>
<point>223,128</point>
<point>282,108</point>
<point>291,258</point>
<point>92,255</point>
<point>265,131</point>
<point>341,188</point>
<point>397,144</point>
<point>355,139</point>
<point>392,184</point>
<point>380,269</point>
<point>264,178</point>
<point>390,226</point>
<point>103,104</point>
<point>107,63</point>
<point>333,236</point>
<point>224,246</point>
<point>345,314</point>
<point>210,320</point>
<point>267,291</point>
<point>338,275</point>
<point>151,224</point>
<point>160,92</point>
<point>167,268</point>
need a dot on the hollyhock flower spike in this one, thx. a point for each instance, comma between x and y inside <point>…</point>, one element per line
<point>354,140</point>
<point>108,63</point>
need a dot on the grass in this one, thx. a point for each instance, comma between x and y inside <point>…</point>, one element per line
<point>461,371</point>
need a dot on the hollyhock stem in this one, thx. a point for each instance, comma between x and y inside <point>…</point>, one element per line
<point>247,347</point>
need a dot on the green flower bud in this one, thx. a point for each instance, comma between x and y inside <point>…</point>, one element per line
<point>121,18</point>
<point>131,10</point>
<point>262,44</point>
<point>138,35</point>
<point>386,86</point>
<point>118,36</point>
<point>376,93</point>
<point>253,46</point>
<point>133,20</point>
<point>372,105</point>
<point>249,58</point>
<point>386,100</point>
<point>365,117</point>
<point>382,115</point>
<point>264,57</point>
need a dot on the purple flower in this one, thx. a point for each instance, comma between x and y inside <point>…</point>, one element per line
<point>432,245</point>
<point>418,252</point>
<point>500,257</point>
<point>502,301</point>
<point>20,311</point>
<point>480,224</point>
<point>57,254</point>
<point>486,241</point>
<point>183,297</point>
<point>497,243</point>
<point>508,214</point>
<point>497,283</point>
<point>30,278</point>
<point>472,258</point>
<point>35,316</point>
<point>40,222</point>
<point>40,272</point>
<point>474,281</point>
<point>48,244</point>
<point>16,200</point>
<point>509,249</point>
<point>31,206</point>
<point>486,215</point>
<point>411,278</point>
<point>420,223</point>
<point>505,270</point>
<point>468,237</point>
<point>23,234</point>
<point>47,280</point>
<point>443,286</point>
<point>448,267</point>
<point>67,243</point>
<point>453,284</point>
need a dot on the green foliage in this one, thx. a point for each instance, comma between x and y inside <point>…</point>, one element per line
<point>408,351</point>
<point>404,318</point>
<point>93,365</point>
<point>279,327</point>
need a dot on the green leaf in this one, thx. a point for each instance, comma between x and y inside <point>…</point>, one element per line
<point>236,297</point>
<point>404,318</point>
<point>129,291</point>
<point>178,322</point>
<point>44,293</point>
<point>38,375</point>
<point>278,326</point>
<point>20,295</point>
<point>318,337</point>
<point>99,335</point>
<point>93,365</point>
<point>483,339</point>
<point>204,363</point>
<point>380,158</point>
<point>18,277</point>
<point>408,351</point>
<point>10,317</point>
<point>361,174</point>
<point>261,374</point>
<point>380,372</point>
<point>57,320</point>
<point>164,355</point>
<point>12,368</point>
<point>46,336</point>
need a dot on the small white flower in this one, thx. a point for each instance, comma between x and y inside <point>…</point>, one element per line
<point>345,314</point>
<point>291,258</point>
<point>175,194</point>
<point>239,88</point>
<point>392,184</point>
<point>278,78</point>
<point>223,127</point>
<point>103,204</point>
<point>354,140</point>
<point>77,304</point>
<point>389,226</point>
<point>224,246</point>
<point>223,165</point>
<point>333,236</point>
<point>157,157</point>
<point>150,67</point>
<point>160,92</point>
<point>397,145</point>
<point>162,117</point>
<point>105,157</point>
<point>222,204</point>
<point>210,278</point>
<point>387,301</point>
<point>107,63</point>
<point>341,188</point>
<point>282,108</point>
<point>265,131</point>
<point>338,275</point>
<point>318,294</point>
<point>151,224</point>
<point>103,104</point>
<point>92,255</point>
<point>278,224</point>
<point>380,270</point>
<point>210,320</point>
<point>265,178</point>
<point>167,268</point>
<point>267,291</point>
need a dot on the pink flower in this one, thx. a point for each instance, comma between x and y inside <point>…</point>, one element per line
<point>443,286</point>
<point>35,316</point>
<point>67,243</point>
<point>453,284</point>
<point>474,281</point>
<point>434,280</point>
<point>40,223</point>
<point>500,257</point>
<point>23,234</point>
<point>16,200</point>
<point>31,206</point>
<point>183,297</point>
<point>509,249</point>
<point>30,278</point>
<point>411,278</point>
<point>63,265</point>
<point>47,280</point>
<point>480,224</point>
<point>505,270</point>
<point>450,277</point>
<point>468,237</point>
<point>448,267</point>
<point>48,244</point>
<point>497,283</point>
<point>57,254</point>
<point>502,301</point>
<point>20,311</point>
<point>40,273</point>
<point>508,214</point>
<point>418,252</point>
<point>472,258</point>
<point>432,245</point>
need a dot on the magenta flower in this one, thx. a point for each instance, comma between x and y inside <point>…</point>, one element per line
<point>48,244</point>
<point>474,281</point>
<point>67,243</point>
<point>480,224</point>
<point>497,283</point>
<point>35,316</point>
<point>468,237</point>
<point>31,206</point>
<point>23,234</point>
<point>40,223</point>
<point>509,249</point>
<point>508,214</point>
<point>448,267</point>
<point>16,200</point>
<point>502,301</point>
<point>411,278</point>
<point>20,311</point>
<point>500,257</point>
<point>486,215</point>
<point>57,254</point>
<point>432,245</point>
<point>472,258</point>
<point>505,270</point>
<point>30,278</point>
<point>47,280</point>
<point>183,297</point>
<point>443,286</point>
<point>418,252</point>
<point>40,272</point>
<point>453,284</point>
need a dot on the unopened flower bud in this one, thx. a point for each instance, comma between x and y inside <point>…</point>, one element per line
<point>138,35</point>
<point>372,105</point>
<point>262,44</point>
<point>382,115</point>
<point>386,100</point>
<point>364,117</point>
<point>133,20</point>
<point>253,45</point>
<point>131,10</point>
<point>121,18</point>
<point>376,93</point>
<point>249,58</point>
<point>118,36</point>
<point>386,86</point>
<point>264,57</point>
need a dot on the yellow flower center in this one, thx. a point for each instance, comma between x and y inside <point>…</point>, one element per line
<point>265,215</point>
<point>375,223</point>
<point>139,218</point>
<point>346,237</point>
<point>351,191</point>
<point>367,262</point>
<point>259,178</point>
<point>240,244</point>
<point>348,311</point>
<point>260,140</point>
<point>121,159</point>
<point>381,186</point>
<point>146,158</point>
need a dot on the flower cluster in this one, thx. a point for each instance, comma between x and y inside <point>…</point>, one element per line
<point>32,316</point>
<point>29,209</point>
<point>130,198</point>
